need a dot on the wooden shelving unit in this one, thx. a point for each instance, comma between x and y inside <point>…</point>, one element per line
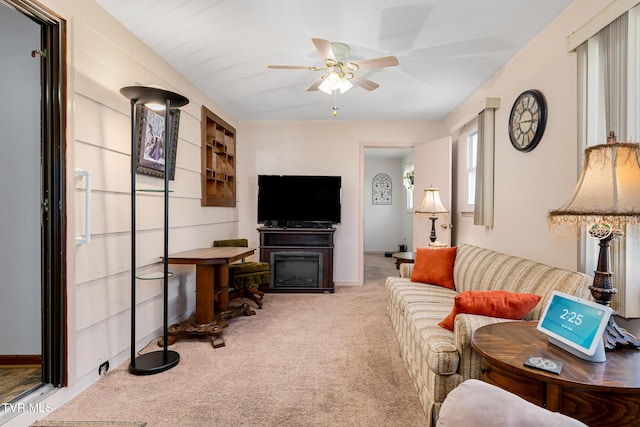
<point>218,161</point>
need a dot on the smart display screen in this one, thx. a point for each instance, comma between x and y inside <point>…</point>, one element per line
<point>575,321</point>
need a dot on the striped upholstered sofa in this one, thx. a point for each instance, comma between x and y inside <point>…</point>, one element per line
<point>437,359</point>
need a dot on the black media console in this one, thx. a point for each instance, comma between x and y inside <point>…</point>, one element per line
<point>301,259</point>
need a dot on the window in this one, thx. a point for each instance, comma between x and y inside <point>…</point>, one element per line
<point>609,100</point>
<point>472,154</point>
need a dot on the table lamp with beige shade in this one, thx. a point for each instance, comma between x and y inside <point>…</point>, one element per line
<point>606,200</point>
<point>431,207</point>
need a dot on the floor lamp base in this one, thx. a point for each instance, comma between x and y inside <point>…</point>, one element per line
<point>154,362</point>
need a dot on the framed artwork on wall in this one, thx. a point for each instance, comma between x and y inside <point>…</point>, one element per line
<point>152,148</point>
<point>381,189</point>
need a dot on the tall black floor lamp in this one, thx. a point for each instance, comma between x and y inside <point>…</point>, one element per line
<point>162,360</point>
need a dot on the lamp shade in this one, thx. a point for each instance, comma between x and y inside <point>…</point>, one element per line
<point>431,203</point>
<point>153,95</point>
<point>608,189</point>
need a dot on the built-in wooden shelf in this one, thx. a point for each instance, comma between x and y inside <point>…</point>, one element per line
<point>218,161</point>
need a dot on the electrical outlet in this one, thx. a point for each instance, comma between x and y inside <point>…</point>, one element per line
<point>102,369</point>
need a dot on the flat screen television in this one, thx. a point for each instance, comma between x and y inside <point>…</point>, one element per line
<point>299,200</point>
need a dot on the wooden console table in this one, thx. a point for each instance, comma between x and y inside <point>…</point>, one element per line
<point>212,273</point>
<point>598,394</point>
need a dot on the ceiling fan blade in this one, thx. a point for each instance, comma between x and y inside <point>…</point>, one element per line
<point>384,61</point>
<point>364,83</point>
<point>289,67</point>
<point>315,85</point>
<point>324,48</point>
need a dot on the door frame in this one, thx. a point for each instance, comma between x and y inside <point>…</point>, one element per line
<point>361,192</point>
<point>53,201</point>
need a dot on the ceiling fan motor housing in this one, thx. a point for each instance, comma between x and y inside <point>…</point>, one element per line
<point>341,52</point>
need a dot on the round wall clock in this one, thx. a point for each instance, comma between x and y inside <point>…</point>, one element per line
<point>527,120</point>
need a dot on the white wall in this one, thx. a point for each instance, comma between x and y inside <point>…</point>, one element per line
<point>528,185</point>
<point>383,223</point>
<point>321,147</point>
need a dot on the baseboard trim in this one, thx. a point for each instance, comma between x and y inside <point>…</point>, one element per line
<point>20,359</point>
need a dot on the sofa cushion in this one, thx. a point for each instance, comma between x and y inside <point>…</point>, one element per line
<point>434,266</point>
<point>501,304</point>
<point>248,267</point>
<point>403,293</point>
<point>479,269</point>
<point>435,347</point>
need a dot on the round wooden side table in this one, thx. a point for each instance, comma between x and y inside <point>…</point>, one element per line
<point>402,257</point>
<point>598,394</point>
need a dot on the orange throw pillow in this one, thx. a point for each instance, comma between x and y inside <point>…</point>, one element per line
<point>434,266</point>
<point>503,304</point>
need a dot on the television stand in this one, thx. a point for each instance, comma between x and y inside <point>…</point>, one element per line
<point>300,259</point>
<point>298,224</point>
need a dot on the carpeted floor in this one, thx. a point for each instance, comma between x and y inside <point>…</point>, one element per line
<point>304,360</point>
<point>54,423</point>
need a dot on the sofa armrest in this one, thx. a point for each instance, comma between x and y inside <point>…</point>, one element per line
<point>405,269</point>
<point>477,404</point>
<point>465,325</point>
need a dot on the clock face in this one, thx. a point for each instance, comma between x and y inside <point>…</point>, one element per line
<point>527,120</point>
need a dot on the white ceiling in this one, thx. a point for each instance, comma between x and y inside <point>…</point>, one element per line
<point>446,49</point>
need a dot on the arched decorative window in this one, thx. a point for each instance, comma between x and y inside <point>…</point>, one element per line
<point>381,189</point>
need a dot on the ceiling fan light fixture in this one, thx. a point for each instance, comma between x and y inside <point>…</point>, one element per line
<point>330,62</point>
<point>324,88</point>
<point>345,85</point>
<point>332,81</point>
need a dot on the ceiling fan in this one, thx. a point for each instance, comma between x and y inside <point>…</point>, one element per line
<point>340,72</point>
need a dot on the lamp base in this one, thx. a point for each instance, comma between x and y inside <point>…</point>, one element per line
<point>602,290</point>
<point>154,362</point>
<point>616,337</point>
<point>432,235</point>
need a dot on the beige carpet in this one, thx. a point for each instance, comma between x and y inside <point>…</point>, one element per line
<point>54,423</point>
<point>304,360</point>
